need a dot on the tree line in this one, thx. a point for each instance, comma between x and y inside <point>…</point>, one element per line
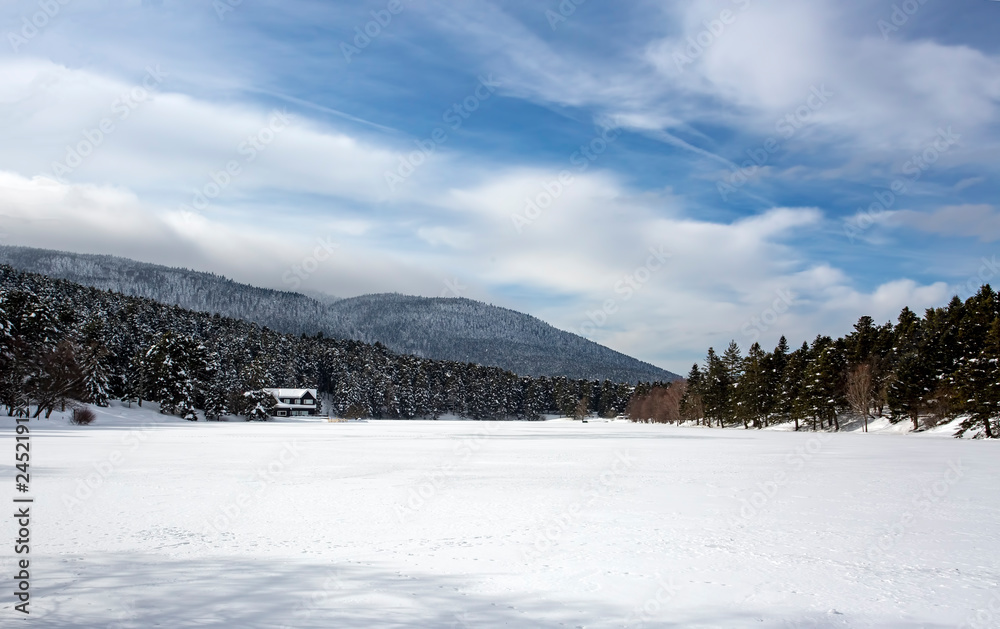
<point>63,343</point>
<point>925,370</point>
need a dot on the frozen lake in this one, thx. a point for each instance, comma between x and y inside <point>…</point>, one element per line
<point>147,521</point>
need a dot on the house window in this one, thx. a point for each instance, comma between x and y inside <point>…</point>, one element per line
<point>307,401</point>
<point>282,413</point>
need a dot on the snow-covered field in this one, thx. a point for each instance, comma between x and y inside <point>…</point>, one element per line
<point>146,521</point>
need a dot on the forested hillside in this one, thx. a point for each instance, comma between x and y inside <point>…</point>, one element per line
<point>61,341</point>
<point>453,329</point>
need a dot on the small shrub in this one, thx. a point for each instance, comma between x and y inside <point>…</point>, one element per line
<point>82,417</point>
<point>354,411</point>
<point>930,421</point>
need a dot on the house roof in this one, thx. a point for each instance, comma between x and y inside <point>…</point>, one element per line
<point>292,393</point>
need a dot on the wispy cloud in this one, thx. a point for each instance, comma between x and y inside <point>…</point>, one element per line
<point>974,221</point>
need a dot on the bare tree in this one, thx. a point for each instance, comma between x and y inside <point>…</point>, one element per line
<point>860,390</point>
<point>660,406</point>
<point>55,379</point>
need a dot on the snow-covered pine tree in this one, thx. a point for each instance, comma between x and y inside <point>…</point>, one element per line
<point>5,327</point>
<point>216,396</point>
<point>186,408</point>
<point>980,378</point>
<point>754,392</point>
<point>259,405</point>
<point>912,380</point>
<point>10,384</point>
<point>718,390</point>
<point>175,369</point>
<point>774,369</point>
<point>96,379</point>
<point>822,391</point>
<point>791,401</point>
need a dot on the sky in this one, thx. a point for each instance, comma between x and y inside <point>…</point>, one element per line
<point>659,177</point>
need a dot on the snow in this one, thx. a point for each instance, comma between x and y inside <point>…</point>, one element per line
<point>293,393</point>
<point>305,523</point>
<point>882,425</point>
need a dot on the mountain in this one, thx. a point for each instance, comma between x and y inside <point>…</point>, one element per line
<point>440,328</point>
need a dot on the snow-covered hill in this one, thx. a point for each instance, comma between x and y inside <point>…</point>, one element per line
<point>440,328</point>
<point>142,520</point>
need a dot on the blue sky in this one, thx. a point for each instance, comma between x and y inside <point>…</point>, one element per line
<point>708,170</point>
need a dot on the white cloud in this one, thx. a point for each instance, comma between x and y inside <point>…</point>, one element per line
<point>980,221</point>
<point>437,236</point>
<point>171,136</point>
<point>87,218</point>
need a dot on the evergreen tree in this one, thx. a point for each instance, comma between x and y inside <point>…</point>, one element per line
<point>774,372</point>
<point>218,391</point>
<point>881,364</point>
<point>754,393</point>
<point>791,400</point>
<point>10,381</point>
<point>175,370</point>
<point>692,403</point>
<point>259,405</point>
<point>861,343</point>
<point>980,377</point>
<point>910,386</point>
<point>34,364</point>
<point>912,379</point>
<point>95,370</point>
<point>822,390</point>
<point>717,396</point>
